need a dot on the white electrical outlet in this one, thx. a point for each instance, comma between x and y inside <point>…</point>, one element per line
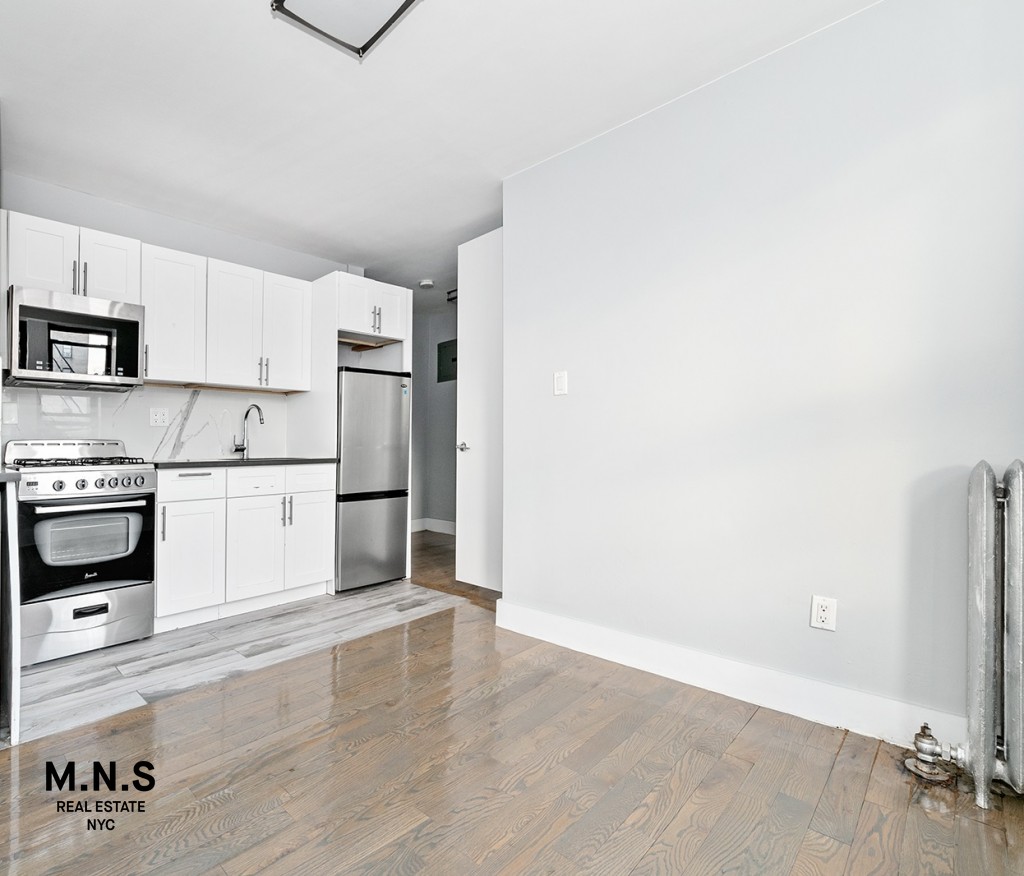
<point>823,613</point>
<point>158,416</point>
<point>561,383</point>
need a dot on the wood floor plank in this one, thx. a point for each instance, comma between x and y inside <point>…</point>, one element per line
<point>678,843</point>
<point>981,849</point>
<point>889,785</point>
<point>820,855</point>
<point>877,842</point>
<point>840,804</point>
<point>929,841</point>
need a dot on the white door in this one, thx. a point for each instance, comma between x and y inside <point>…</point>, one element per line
<point>110,266</point>
<point>309,538</point>
<point>255,546</point>
<point>234,327</point>
<point>287,332</point>
<point>190,556</point>
<point>43,254</point>
<point>478,493</point>
<point>174,295</point>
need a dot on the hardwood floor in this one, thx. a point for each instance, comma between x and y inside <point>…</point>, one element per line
<point>445,745</point>
<point>433,566</point>
<point>65,693</point>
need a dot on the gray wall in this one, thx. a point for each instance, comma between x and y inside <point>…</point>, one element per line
<point>789,305</point>
<point>433,447</point>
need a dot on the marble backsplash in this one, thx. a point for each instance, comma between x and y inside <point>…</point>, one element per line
<point>201,423</point>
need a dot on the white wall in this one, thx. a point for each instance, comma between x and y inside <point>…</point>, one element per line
<point>433,431</point>
<point>789,305</point>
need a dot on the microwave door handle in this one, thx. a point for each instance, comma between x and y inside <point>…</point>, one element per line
<point>101,506</point>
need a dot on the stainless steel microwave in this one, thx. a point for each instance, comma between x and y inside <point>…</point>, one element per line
<point>65,341</point>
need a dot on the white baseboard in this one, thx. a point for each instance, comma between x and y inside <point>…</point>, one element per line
<point>819,701</point>
<point>431,524</point>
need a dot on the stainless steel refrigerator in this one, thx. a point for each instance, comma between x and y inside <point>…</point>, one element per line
<point>373,476</point>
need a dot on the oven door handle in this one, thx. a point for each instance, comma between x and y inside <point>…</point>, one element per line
<point>99,506</point>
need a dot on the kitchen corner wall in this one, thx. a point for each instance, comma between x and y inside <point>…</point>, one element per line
<point>433,424</point>
<point>790,306</point>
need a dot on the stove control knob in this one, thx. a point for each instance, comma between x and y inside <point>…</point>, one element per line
<point>100,483</point>
<point>112,484</point>
<point>81,483</point>
<point>139,481</point>
<point>126,482</point>
<point>58,486</point>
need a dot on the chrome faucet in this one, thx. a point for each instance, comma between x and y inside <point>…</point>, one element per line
<point>243,448</point>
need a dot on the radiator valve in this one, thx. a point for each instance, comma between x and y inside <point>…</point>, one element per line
<point>929,752</point>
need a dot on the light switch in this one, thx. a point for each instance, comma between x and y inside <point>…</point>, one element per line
<point>561,383</point>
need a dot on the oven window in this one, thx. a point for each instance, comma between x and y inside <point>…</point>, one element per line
<point>87,538</point>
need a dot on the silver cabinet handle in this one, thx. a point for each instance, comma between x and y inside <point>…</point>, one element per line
<point>373,319</point>
<point>195,474</point>
<point>145,361</point>
<point>291,519</point>
<point>85,278</point>
<point>267,373</point>
<point>74,277</point>
<point>283,499</point>
<point>378,320</point>
<point>259,380</point>
<point>463,446</point>
<point>163,523</point>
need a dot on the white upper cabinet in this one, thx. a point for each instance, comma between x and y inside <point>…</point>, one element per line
<point>287,332</point>
<point>259,329</point>
<point>234,325</point>
<point>174,295</point>
<point>44,254</point>
<point>369,307</point>
<point>110,266</point>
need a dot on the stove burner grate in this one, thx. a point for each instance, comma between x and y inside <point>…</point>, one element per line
<point>61,462</point>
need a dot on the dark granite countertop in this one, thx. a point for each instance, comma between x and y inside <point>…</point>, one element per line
<point>232,463</point>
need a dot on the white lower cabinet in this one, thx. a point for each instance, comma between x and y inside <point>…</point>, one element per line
<point>191,529</point>
<point>309,538</point>
<point>255,554</point>
<point>232,534</point>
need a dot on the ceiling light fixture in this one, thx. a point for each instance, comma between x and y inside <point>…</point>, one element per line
<point>426,284</point>
<point>364,22</point>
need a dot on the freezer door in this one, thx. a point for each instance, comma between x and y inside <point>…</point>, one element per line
<point>371,541</point>
<point>373,432</point>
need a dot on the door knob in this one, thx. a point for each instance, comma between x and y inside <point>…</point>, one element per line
<point>463,447</point>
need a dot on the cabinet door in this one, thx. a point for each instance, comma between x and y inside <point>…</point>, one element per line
<point>174,295</point>
<point>391,323</point>
<point>356,303</point>
<point>190,556</point>
<point>43,254</point>
<point>234,325</point>
<point>255,546</point>
<point>309,538</point>
<point>287,332</point>
<point>109,266</point>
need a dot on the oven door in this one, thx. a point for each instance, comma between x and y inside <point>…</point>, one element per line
<point>85,545</point>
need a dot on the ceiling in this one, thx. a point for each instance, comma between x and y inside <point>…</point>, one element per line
<point>221,114</point>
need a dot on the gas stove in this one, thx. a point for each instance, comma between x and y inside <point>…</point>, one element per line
<point>58,469</point>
